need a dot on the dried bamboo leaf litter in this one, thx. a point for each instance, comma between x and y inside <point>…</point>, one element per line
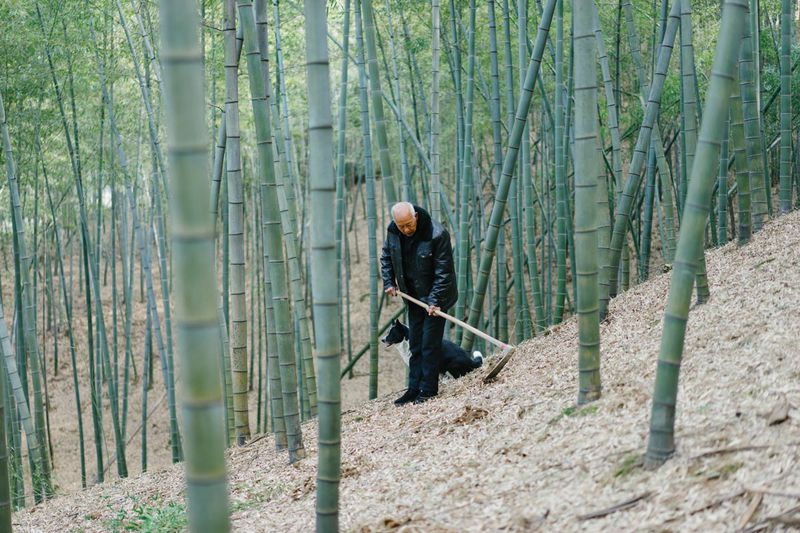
<point>532,461</point>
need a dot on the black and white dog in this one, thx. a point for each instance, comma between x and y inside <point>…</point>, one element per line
<point>455,361</point>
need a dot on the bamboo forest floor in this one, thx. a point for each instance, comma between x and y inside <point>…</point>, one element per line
<point>61,395</point>
<point>516,455</point>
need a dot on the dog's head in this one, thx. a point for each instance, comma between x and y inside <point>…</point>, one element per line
<point>396,334</point>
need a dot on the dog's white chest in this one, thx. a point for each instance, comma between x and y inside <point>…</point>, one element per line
<point>404,351</point>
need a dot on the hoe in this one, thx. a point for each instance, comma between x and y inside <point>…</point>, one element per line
<point>507,350</point>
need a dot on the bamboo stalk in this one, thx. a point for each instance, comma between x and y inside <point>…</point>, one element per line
<point>661,443</point>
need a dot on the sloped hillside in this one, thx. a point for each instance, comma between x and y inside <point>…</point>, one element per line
<point>516,455</point>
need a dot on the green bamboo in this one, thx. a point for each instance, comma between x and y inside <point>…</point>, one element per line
<point>292,162</point>
<point>12,428</point>
<point>647,225</point>
<point>502,298</point>
<point>656,139</point>
<point>722,186</point>
<point>258,254</point>
<point>104,352</point>
<point>144,236</point>
<point>41,474</point>
<point>509,163</point>
<point>626,197</point>
<point>236,259</point>
<point>744,229</point>
<point>285,202</point>
<point>341,166</point>
<point>35,448</point>
<point>497,167</point>
<point>216,182</point>
<point>436,186</point>
<point>398,97</point>
<point>146,97</point>
<point>192,230</point>
<point>68,311</point>
<point>611,102</point>
<point>454,62</point>
<point>689,113</point>
<point>759,177</point>
<point>662,423</point>
<point>522,312</point>
<point>226,374</point>
<point>785,197</point>
<point>530,199</point>
<point>323,261</point>
<point>465,178</point>
<point>369,176</point>
<point>114,295</point>
<point>586,215</point>
<point>376,94</point>
<point>272,228</point>
<point>146,384</point>
<point>560,169</point>
<point>273,364</point>
<point>5,488</point>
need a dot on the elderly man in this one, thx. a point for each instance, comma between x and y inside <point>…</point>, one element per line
<point>417,258</point>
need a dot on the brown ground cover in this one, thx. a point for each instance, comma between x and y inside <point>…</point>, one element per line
<point>517,455</point>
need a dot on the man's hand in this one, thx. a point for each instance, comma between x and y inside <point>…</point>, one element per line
<point>391,291</point>
<point>433,309</point>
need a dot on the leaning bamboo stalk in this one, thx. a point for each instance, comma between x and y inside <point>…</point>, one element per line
<point>377,95</point>
<point>509,164</point>
<point>656,139</point>
<point>647,133</point>
<point>661,443</point>
<point>288,219</point>
<point>146,98</point>
<point>272,228</point>
<point>398,96</point>
<point>177,454</point>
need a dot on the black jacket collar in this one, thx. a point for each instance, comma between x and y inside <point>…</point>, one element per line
<point>424,225</point>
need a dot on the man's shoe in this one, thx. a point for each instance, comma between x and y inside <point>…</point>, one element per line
<point>408,396</point>
<point>422,398</point>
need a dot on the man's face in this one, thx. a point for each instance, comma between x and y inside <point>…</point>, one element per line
<point>406,223</point>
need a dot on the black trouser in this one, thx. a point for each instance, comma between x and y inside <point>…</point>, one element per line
<point>425,342</point>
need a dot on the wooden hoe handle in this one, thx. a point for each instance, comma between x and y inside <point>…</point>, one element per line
<point>454,320</point>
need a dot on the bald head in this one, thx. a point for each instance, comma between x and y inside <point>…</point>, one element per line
<point>403,209</point>
<point>405,218</point>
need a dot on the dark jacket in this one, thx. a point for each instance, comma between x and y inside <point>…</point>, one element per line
<point>433,278</point>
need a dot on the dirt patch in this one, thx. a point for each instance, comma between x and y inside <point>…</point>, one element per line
<point>470,415</point>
